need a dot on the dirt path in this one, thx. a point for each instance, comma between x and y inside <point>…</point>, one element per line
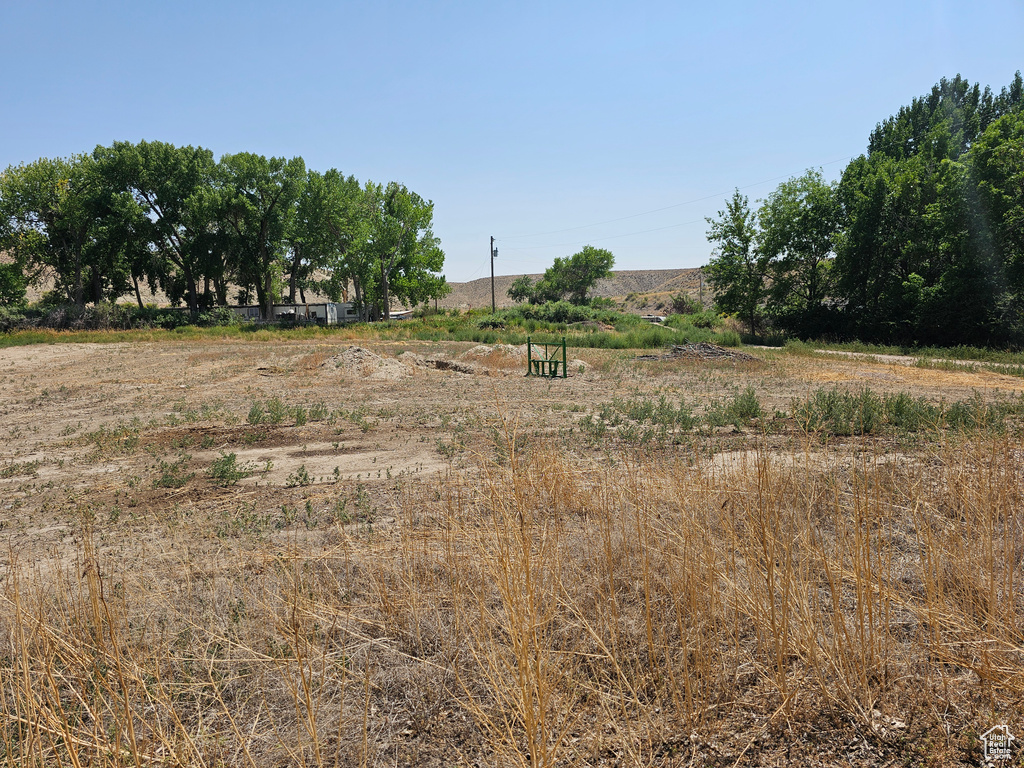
<point>911,360</point>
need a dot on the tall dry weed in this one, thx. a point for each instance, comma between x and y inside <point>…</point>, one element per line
<point>543,610</point>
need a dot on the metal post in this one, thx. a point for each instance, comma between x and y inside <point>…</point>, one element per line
<point>565,366</point>
<point>529,359</point>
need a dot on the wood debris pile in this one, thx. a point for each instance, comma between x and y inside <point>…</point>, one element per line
<point>700,351</point>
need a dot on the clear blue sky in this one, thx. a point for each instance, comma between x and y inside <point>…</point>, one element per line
<point>546,119</point>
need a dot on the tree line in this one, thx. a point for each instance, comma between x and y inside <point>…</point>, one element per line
<point>921,241</point>
<point>99,225</point>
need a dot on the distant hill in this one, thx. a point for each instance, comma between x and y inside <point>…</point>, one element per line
<point>637,289</point>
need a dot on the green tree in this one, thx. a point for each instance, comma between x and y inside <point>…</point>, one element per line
<point>521,289</point>
<point>259,200</point>
<point>737,270</point>
<point>401,246</point>
<point>882,252</point>
<point>928,248</point>
<point>571,278</point>
<point>575,276</point>
<point>57,222</point>
<point>307,236</point>
<point>996,161</point>
<point>13,281</point>
<point>172,189</point>
<point>331,225</point>
<point>959,306</point>
<point>799,224</point>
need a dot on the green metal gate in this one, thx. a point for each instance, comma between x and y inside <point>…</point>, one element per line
<point>548,365</point>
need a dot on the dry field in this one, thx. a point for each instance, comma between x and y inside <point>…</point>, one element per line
<point>270,553</point>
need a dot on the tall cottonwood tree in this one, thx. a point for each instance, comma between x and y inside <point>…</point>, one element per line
<point>323,233</point>
<point>404,255</point>
<point>149,211</point>
<point>996,161</point>
<point>259,198</point>
<point>172,188</point>
<point>881,250</point>
<point>926,251</point>
<point>53,216</point>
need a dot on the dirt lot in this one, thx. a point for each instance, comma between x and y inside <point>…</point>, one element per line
<point>98,422</point>
<point>172,465</point>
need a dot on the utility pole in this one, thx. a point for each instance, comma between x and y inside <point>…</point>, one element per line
<point>494,255</point>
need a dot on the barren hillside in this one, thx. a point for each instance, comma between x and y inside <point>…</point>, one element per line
<point>623,283</point>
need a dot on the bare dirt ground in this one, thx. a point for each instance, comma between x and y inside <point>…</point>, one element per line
<point>109,455</point>
<point>59,399</point>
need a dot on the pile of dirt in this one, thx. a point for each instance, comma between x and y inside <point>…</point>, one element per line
<point>481,351</point>
<point>411,358</point>
<point>702,350</point>
<point>368,364</point>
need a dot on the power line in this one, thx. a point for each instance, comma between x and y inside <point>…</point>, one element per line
<point>656,210</point>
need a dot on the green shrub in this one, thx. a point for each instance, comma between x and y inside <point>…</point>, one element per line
<point>256,413</point>
<point>299,477</point>
<point>555,313</point>
<point>745,405</point>
<point>174,474</point>
<point>739,411</point>
<point>629,416</point>
<point>276,410</point>
<point>11,318</point>
<point>219,316</point>
<point>701,319</point>
<point>226,470</point>
<point>839,412</point>
<point>729,339</point>
<point>686,305</point>
<point>904,412</point>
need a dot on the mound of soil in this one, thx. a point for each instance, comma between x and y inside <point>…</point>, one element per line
<point>367,364</point>
<point>486,350</point>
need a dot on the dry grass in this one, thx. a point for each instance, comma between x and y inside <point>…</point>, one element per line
<point>547,611</point>
<point>314,360</point>
<point>738,598</point>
